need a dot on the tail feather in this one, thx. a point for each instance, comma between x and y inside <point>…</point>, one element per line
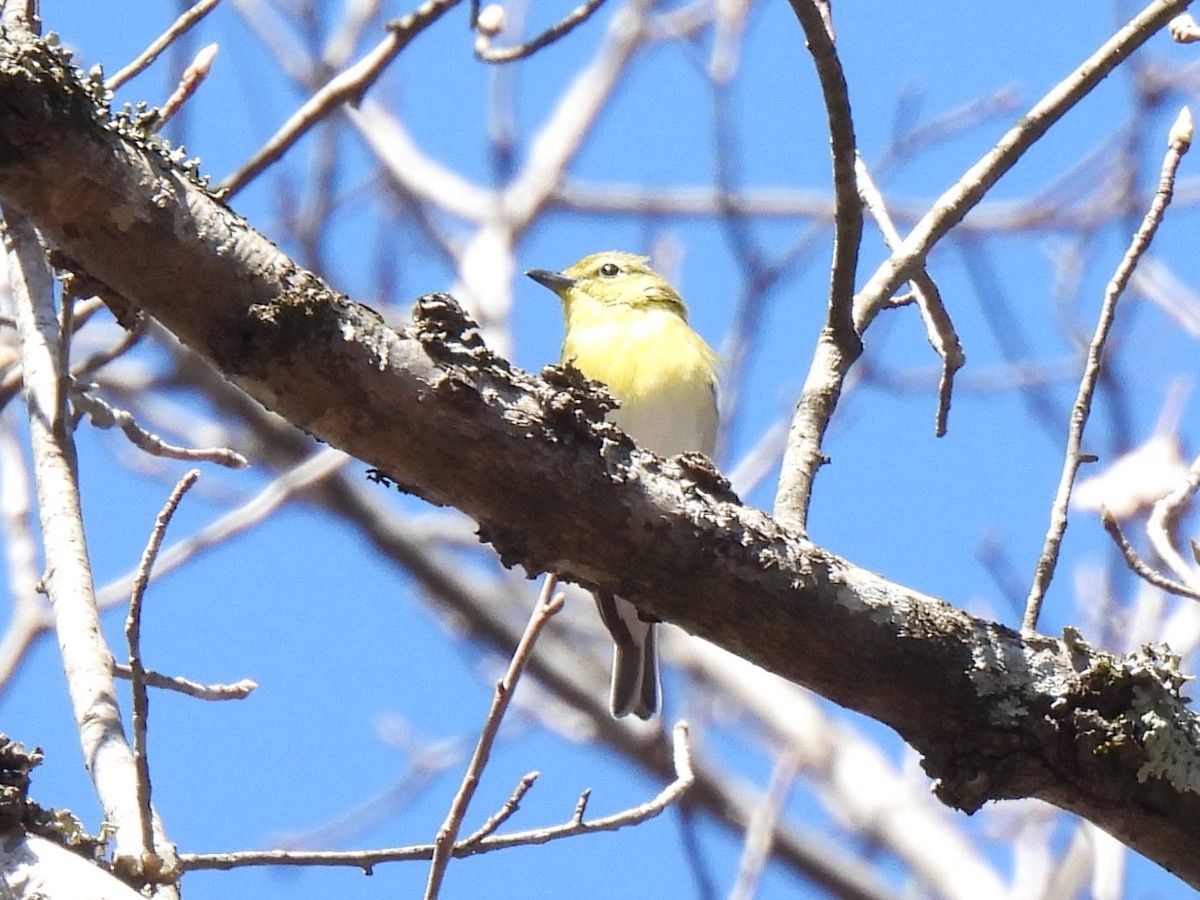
<point>635,658</point>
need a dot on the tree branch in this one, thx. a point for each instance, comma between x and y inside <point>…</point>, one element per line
<point>839,344</point>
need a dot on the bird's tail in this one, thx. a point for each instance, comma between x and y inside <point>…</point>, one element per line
<point>635,658</point>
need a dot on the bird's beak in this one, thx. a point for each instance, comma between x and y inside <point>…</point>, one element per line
<point>556,281</point>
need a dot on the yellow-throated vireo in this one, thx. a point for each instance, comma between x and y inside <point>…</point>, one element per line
<point>627,327</point>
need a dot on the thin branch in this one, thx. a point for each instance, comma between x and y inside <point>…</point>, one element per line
<point>239,690</point>
<point>1139,565</point>
<point>484,51</point>
<point>506,811</point>
<point>180,27</point>
<point>547,605</point>
<point>104,415</point>
<point>347,87</point>
<point>1162,518</point>
<point>838,345</point>
<point>133,635</point>
<point>564,130</point>
<point>847,214</point>
<point>939,329</point>
<point>1178,143</point>
<point>193,76</point>
<point>366,860</point>
<point>581,806</point>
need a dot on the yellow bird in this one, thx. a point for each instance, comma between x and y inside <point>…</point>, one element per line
<point>627,327</point>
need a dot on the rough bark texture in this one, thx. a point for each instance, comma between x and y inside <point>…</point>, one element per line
<point>994,715</point>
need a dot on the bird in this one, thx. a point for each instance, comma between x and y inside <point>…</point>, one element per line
<point>627,328</point>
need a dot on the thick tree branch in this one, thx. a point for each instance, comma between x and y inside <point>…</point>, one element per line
<point>995,715</point>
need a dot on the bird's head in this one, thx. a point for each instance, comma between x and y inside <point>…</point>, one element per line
<point>611,278</point>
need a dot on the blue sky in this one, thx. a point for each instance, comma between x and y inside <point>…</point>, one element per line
<point>340,641</point>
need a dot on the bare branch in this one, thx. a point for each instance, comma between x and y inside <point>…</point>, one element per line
<point>104,415</point>
<point>1139,565</point>
<point>193,77</point>
<point>486,53</point>
<point>838,345</point>
<point>404,400</point>
<point>1163,516</point>
<point>506,811</point>
<point>939,329</point>
<point>180,27</point>
<point>133,635</point>
<point>1179,141</point>
<point>239,690</point>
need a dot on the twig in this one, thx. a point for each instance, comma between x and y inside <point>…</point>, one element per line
<point>347,87</point>
<point>366,860</point>
<point>548,604</point>
<point>581,807</point>
<point>484,52</point>
<point>133,635</point>
<point>1162,518</point>
<point>505,812</point>
<point>839,345</point>
<point>1139,565</point>
<point>847,214</point>
<point>1178,142</point>
<point>104,415</point>
<point>239,690</point>
<point>193,77</point>
<point>180,27</point>
<point>939,329</point>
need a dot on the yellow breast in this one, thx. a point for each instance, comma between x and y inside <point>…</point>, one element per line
<point>661,372</point>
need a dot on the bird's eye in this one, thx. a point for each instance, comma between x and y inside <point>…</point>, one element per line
<point>610,270</point>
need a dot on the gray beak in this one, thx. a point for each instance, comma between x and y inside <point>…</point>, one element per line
<point>556,281</point>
